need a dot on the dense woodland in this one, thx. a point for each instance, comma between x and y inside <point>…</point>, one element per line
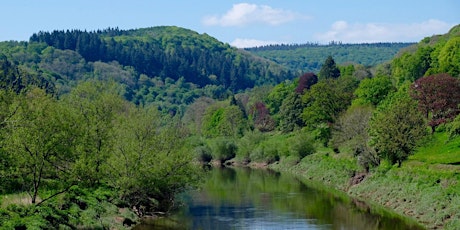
<point>310,57</point>
<point>97,122</point>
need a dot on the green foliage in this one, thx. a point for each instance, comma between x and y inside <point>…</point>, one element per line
<point>290,113</point>
<point>278,94</point>
<point>223,149</point>
<point>221,120</point>
<point>149,166</point>
<point>95,105</point>
<point>266,152</point>
<point>326,100</point>
<point>371,91</point>
<point>310,57</point>
<point>453,128</point>
<point>350,133</point>
<point>40,142</point>
<point>248,143</point>
<point>439,148</point>
<point>397,127</point>
<point>410,67</point>
<point>169,52</point>
<point>301,145</point>
<point>203,154</point>
<point>449,57</point>
<point>329,69</point>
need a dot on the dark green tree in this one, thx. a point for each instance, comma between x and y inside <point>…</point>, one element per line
<point>326,100</point>
<point>290,114</point>
<point>329,69</point>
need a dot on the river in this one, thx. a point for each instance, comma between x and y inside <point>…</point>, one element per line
<point>243,198</point>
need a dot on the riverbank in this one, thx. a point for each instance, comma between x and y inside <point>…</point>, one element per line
<point>427,193</point>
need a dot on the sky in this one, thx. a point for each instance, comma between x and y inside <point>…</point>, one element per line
<point>241,23</point>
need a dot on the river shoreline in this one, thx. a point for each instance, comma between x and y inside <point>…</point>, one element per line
<point>417,192</point>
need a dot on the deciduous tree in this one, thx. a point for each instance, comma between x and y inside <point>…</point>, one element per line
<point>397,127</point>
<point>371,91</point>
<point>41,141</point>
<point>305,82</point>
<point>438,98</point>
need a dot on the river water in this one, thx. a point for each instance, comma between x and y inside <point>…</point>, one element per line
<point>245,198</point>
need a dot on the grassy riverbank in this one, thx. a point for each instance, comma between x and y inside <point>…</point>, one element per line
<point>425,188</point>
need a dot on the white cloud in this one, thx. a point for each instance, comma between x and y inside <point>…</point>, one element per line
<point>247,43</point>
<point>382,32</point>
<point>244,13</point>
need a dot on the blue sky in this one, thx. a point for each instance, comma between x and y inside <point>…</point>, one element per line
<point>241,23</point>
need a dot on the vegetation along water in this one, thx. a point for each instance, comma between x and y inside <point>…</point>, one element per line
<point>244,198</point>
<point>104,129</point>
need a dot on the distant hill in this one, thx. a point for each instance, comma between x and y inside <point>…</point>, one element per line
<point>309,57</point>
<point>170,52</point>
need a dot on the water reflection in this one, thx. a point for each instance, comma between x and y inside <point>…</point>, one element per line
<point>260,199</point>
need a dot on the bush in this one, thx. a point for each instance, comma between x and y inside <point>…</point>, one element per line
<point>223,149</point>
<point>248,143</point>
<point>203,154</point>
<point>266,152</point>
<point>301,146</point>
<point>453,128</point>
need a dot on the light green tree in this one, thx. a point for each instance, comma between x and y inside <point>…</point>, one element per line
<point>41,141</point>
<point>221,120</point>
<point>449,57</point>
<point>96,105</point>
<point>149,164</point>
<point>397,127</point>
<point>371,91</point>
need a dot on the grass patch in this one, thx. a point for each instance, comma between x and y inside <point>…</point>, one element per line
<point>439,150</point>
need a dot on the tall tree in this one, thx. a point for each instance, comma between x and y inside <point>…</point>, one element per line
<point>397,127</point>
<point>96,105</point>
<point>351,131</point>
<point>41,141</point>
<point>449,57</point>
<point>290,114</point>
<point>261,117</point>
<point>326,100</point>
<point>148,165</point>
<point>438,98</point>
<point>305,82</point>
<point>329,69</point>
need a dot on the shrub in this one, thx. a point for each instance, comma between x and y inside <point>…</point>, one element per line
<point>266,152</point>
<point>223,149</point>
<point>248,143</point>
<point>453,129</point>
<point>301,146</point>
<point>203,154</point>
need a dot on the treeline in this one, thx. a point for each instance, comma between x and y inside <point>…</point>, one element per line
<point>80,139</point>
<point>332,43</point>
<point>169,52</point>
<point>374,117</point>
<point>309,57</point>
<point>79,160</point>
